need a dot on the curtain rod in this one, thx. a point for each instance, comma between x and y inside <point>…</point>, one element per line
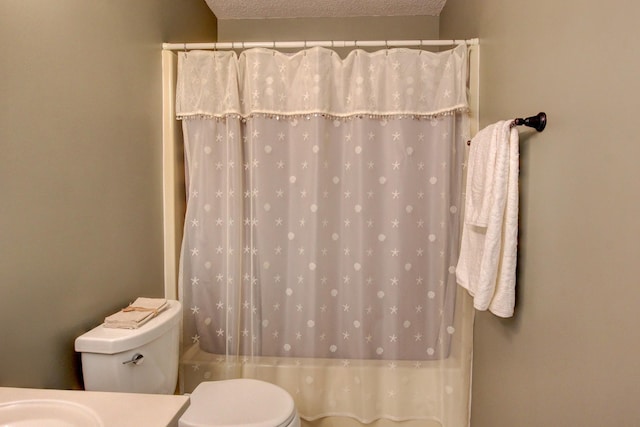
<point>307,44</point>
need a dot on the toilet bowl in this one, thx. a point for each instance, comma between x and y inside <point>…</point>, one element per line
<point>239,402</point>
<point>145,360</point>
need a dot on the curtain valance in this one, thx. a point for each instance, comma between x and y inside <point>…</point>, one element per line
<point>317,81</point>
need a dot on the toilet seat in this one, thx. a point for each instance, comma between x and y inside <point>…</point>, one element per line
<point>238,402</point>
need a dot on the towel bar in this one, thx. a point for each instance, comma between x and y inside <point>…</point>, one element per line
<point>538,122</point>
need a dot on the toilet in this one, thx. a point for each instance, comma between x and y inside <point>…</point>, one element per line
<point>142,360</point>
<point>239,402</point>
<point>145,360</point>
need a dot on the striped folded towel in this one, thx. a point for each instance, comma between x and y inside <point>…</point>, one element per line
<point>136,314</point>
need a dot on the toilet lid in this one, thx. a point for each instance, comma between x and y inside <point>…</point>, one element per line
<point>239,402</point>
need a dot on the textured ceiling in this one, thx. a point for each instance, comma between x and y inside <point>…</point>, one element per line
<point>247,9</point>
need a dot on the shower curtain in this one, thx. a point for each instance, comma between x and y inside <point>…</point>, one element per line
<point>322,223</point>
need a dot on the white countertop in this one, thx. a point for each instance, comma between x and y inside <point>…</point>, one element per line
<point>114,409</point>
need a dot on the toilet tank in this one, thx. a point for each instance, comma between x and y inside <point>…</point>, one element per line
<point>143,360</point>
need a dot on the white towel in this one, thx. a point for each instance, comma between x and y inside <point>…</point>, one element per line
<point>136,314</point>
<point>487,262</point>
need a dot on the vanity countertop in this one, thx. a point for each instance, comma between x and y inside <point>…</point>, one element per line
<point>114,409</point>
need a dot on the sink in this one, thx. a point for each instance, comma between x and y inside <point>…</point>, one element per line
<point>32,407</point>
<point>47,413</point>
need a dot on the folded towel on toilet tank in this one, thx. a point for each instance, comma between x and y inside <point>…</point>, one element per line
<point>136,314</point>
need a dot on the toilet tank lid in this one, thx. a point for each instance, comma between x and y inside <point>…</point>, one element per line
<point>112,340</point>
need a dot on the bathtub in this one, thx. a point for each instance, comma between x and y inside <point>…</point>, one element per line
<point>336,393</point>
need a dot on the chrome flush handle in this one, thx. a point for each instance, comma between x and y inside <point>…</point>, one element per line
<point>136,359</point>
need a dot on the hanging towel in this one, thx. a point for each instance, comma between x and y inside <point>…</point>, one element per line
<point>487,262</point>
<point>136,314</point>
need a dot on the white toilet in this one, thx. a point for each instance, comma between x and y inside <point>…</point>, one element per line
<point>145,360</point>
<point>241,402</point>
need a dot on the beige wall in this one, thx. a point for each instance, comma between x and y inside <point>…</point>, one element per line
<point>351,28</point>
<point>80,170</point>
<point>570,355</point>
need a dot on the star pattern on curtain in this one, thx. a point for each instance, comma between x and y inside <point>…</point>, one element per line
<point>342,220</point>
<point>322,221</point>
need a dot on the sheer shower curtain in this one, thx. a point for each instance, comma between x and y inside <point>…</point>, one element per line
<point>322,223</point>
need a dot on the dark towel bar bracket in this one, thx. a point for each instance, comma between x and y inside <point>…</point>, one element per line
<point>538,122</point>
